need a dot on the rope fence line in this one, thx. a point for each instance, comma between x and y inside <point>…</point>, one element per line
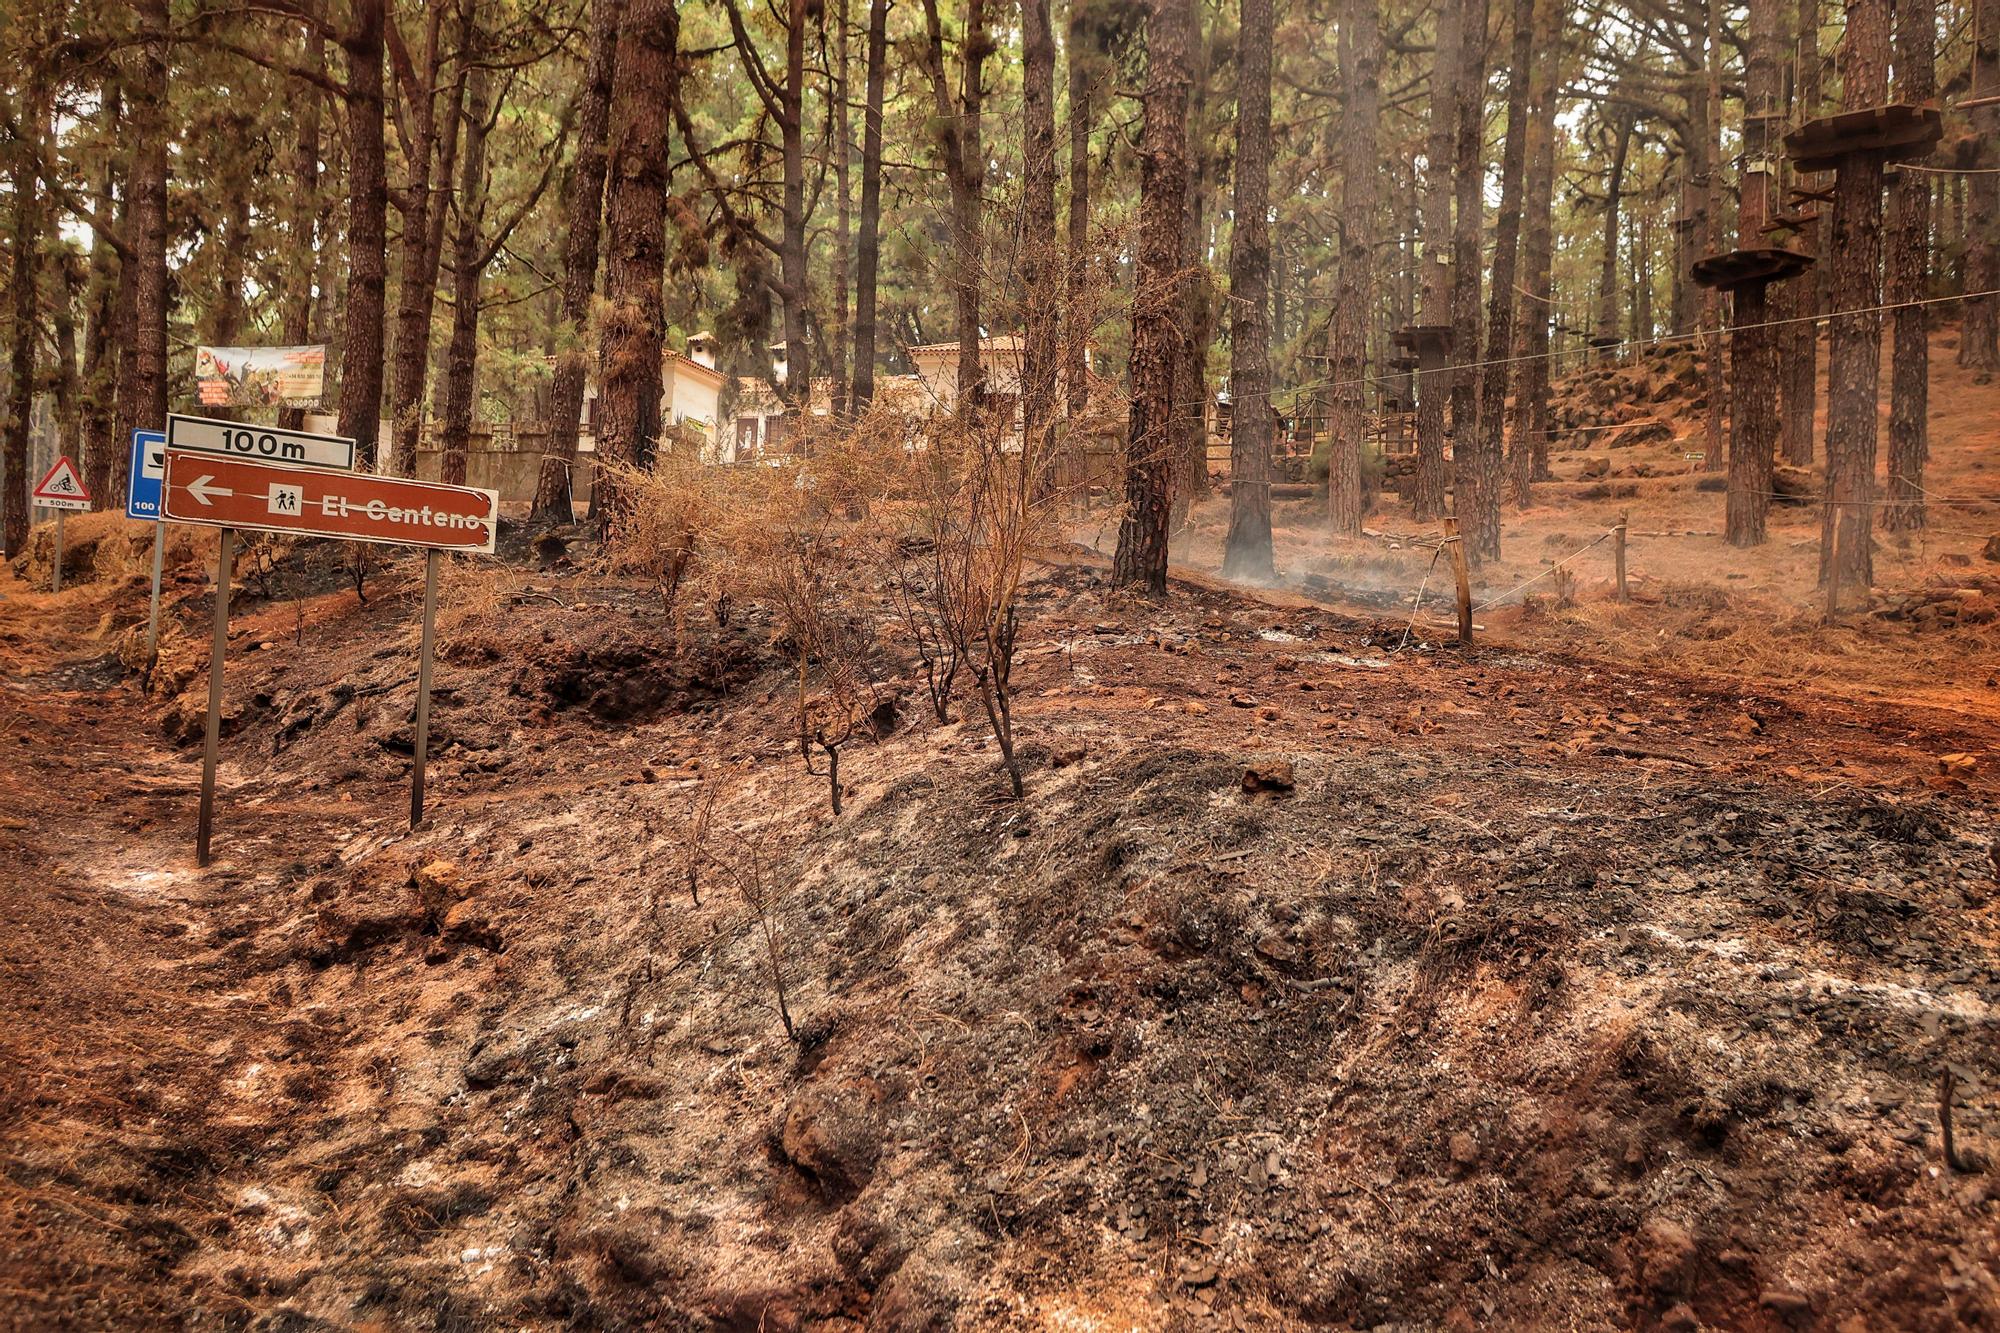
<point>1494,600</point>
<point>1697,335</point>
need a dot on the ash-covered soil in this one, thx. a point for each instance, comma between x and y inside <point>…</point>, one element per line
<point>1531,992</point>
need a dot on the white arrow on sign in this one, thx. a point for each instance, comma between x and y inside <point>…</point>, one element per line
<point>200,488</point>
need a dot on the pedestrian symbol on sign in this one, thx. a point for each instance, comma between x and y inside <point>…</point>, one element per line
<point>287,499</point>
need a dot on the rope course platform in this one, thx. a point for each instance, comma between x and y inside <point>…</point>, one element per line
<point>1740,268</point>
<point>1899,132</point>
<point>1415,336</point>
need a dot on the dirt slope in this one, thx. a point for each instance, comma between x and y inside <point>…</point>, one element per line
<point>1552,993</point>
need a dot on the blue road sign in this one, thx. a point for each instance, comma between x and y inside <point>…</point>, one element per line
<point>149,470</point>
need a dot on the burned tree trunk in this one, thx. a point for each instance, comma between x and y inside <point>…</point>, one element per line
<point>1979,338</point>
<point>1190,422</point>
<point>1433,380</point>
<point>367,233</point>
<point>1528,449</point>
<point>642,104</point>
<point>142,389</point>
<point>1156,334</point>
<point>1361,70</point>
<point>1247,554</point>
<point>1607,262</point>
<point>1479,476</point>
<point>840,130</point>
<point>1855,365</point>
<point>583,212</point>
<point>1079,55</point>
<point>1907,280</point>
<point>1711,210</point>
<point>1798,342</point>
<point>868,241</point>
<point>23,283</point>
<point>1753,353</point>
<point>461,357</point>
<point>302,213</point>
<point>1041,263</point>
<point>959,144</point>
<point>423,238</point>
<point>1469,185</point>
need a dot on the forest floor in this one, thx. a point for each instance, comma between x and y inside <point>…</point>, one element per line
<point>1530,988</point>
<point>1756,614</point>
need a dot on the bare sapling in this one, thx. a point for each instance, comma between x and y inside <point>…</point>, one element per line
<point>795,541</point>
<point>694,838</point>
<point>755,879</point>
<point>665,517</point>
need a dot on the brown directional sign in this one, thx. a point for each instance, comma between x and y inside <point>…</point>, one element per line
<point>350,506</point>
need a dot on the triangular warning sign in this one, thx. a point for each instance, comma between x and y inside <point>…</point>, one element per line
<point>61,485</point>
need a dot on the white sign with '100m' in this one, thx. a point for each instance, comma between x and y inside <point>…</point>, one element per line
<point>262,443</point>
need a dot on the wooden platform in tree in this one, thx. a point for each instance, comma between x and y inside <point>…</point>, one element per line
<point>1739,268</point>
<point>1415,336</point>
<point>1899,132</point>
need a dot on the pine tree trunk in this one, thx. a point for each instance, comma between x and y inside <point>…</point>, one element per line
<point>960,148</point>
<point>1754,423</point>
<point>583,214</point>
<point>1479,483</point>
<point>1713,457</point>
<point>642,103</point>
<point>1141,558</point>
<point>1247,552</point>
<point>1799,341</point>
<point>100,352</point>
<point>868,242</point>
<point>1907,279</point>
<point>462,354</point>
<point>1979,337</point>
<point>1190,422</point>
<point>301,212</point>
<point>1753,350</point>
<point>1607,262</point>
<point>792,249</point>
<point>1079,56</point>
<point>417,287</point>
<point>367,234</point>
<point>1361,72</point>
<point>1041,260</point>
<point>1528,448</point>
<point>24,334</point>
<point>1433,381</point>
<point>1468,225</point>
<point>1855,356</point>
<point>840,131</point>
<point>142,391</point>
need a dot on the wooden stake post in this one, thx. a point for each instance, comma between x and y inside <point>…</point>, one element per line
<point>1618,554</point>
<point>1463,576</point>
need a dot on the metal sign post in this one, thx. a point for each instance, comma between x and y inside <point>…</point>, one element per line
<point>142,501</point>
<point>424,688</point>
<point>229,493</point>
<point>61,489</point>
<point>211,744</point>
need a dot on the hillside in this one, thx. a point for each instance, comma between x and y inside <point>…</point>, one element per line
<point>1528,989</point>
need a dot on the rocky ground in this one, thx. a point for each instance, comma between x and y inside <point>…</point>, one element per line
<point>1324,978</point>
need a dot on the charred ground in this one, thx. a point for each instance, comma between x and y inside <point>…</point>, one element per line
<point>1549,991</point>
